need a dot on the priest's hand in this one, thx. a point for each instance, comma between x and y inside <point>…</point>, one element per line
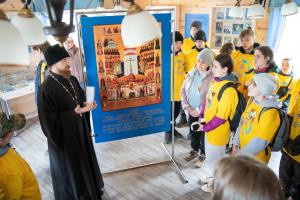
<point>87,108</point>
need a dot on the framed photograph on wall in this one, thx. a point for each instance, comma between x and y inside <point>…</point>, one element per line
<point>219,27</point>
<point>247,25</point>
<point>218,41</point>
<point>227,29</point>
<point>227,40</point>
<point>220,15</point>
<point>237,28</point>
<point>227,14</point>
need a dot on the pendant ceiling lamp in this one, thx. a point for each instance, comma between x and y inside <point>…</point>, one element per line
<point>236,11</point>
<point>13,50</point>
<point>289,8</point>
<point>138,26</point>
<point>57,28</point>
<point>30,27</point>
<point>256,11</point>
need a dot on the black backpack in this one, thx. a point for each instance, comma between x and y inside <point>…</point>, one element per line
<point>283,133</point>
<point>234,123</point>
<point>282,91</point>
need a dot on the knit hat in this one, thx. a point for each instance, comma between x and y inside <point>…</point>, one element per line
<point>55,53</point>
<point>265,83</point>
<point>196,24</point>
<point>206,55</point>
<point>178,36</point>
<point>11,123</point>
<point>200,35</point>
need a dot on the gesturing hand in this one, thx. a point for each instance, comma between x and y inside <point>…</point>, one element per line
<point>87,107</point>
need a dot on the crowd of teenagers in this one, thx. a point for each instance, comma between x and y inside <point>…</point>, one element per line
<point>238,103</point>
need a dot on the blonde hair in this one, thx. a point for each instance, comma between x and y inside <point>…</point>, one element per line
<point>245,178</point>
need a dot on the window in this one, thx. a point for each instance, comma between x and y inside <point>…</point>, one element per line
<point>289,45</point>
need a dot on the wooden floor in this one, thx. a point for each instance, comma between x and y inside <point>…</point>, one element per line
<point>160,181</point>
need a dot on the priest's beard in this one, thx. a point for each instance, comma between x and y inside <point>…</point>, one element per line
<point>65,72</point>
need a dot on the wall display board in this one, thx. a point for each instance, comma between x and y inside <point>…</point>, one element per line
<point>227,29</point>
<point>203,18</point>
<point>132,85</point>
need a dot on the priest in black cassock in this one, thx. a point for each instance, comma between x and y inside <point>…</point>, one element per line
<point>64,118</point>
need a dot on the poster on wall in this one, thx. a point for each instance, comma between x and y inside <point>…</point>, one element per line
<point>203,18</point>
<point>132,85</point>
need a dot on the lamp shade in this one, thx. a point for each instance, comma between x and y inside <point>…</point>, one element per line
<point>13,50</point>
<point>289,8</point>
<point>236,12</point>
<point>139,28</point>
<point>30,28</point>
<point>256,11</point>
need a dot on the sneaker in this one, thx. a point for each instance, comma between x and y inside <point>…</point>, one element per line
<point>182,122</point>
<point>192,154</point>
<point>198,163</point>
<point>206,179</point>
<point>202,156</point>
<point>207,187</point>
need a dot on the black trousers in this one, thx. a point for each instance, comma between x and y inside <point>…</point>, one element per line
<point>177,107</point>
<point>182,113</point>
<point>197,137</point>
<point>289,176</point>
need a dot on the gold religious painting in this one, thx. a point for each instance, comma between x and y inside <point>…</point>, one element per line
<point>128,77</point>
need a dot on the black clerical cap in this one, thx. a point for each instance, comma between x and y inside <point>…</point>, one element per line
<point>178,36</point>
<point>200,35</point>
<point>55,53</point>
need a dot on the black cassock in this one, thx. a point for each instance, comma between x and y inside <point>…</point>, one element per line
<point>74,167</point>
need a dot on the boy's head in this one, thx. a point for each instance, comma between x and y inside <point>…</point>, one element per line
<point>194,27</point>
<point>8,125</point>
<point>247,39</point>
<point>245,178</point>
<point>178,41</point>
<point>286,67</point>
<point>200,39</point>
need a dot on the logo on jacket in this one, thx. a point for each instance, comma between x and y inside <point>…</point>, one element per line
<point>247,121</point>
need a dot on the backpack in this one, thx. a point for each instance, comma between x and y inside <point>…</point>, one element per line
<point>282,91</point>
<point>234,123</point>
<point>283,132</point>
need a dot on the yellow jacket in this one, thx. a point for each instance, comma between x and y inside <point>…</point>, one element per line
<point>242,62</point>
<point>187,45</point>
<point>179,74</point>
<point>17,180</point>
<point>191,59</point>
<point>294,112</point>
<point>285,85</point>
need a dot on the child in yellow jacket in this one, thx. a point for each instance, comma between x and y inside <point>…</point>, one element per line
<point>178,74</point>
<point>289,169</point>
<point>199,45</point>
